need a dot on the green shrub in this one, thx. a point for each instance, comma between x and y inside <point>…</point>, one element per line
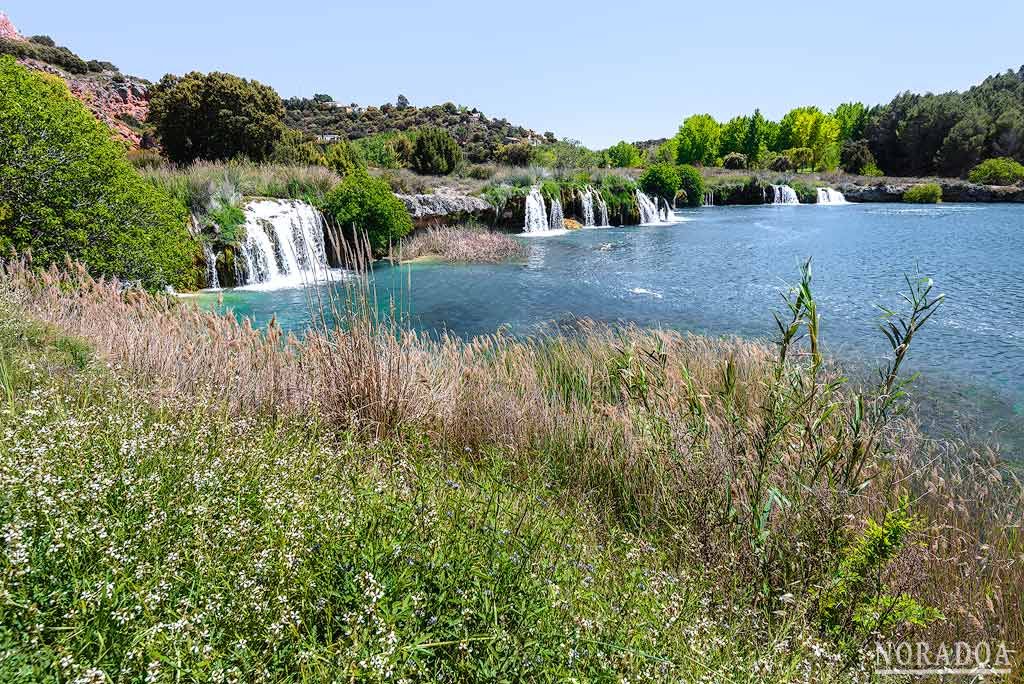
<point>872,170</point>
<point>435,153</point>
<point>781,162</point>
<point>294,147</point>
<point>661,180</point>
<point>998,171</point>
<point>215,116</point>
<point>624,155</point>
<point>735,161</point>
<point>853,605</point>
<point>366,204</point>
<point>620,195</point>
<point>926,193</point>
<point>481,171</point>
<point>514,154</point>
<point>344,158</point>
<point>66,188</point>
<point>229,220</point>
<point>384,150</point>
<point>692,183</point>
<point>805,192</point>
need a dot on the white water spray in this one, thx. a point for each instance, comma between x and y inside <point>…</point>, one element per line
<point>557,218</point>
<point>587,203</point>
<point>602,208</point>
<point>830,196</point>
<point>536,213</point>
<point>648,209</point>
<point>212,281</point>
<point>666,214</point>
<point>785,195</point>
<point>284,244</point>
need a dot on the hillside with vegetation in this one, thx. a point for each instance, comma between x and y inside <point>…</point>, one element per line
<point>118,100</point>
<point>479,136</point>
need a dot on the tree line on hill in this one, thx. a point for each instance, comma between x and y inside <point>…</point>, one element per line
<point>946,134</point>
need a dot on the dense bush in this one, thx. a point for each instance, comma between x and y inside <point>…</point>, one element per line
<point>999,171</point>
<point>692,183</point>
<point>805,192</point>
<point>624,155</point>
<point>735,161</point>
<point>514,154</point>
<point>385,150</point>
<point>435,152</point>
<point>66,188</point>
<point>661,180</point>
<point>925,193</point>
<point>366,204</point>
<point>296,148</point>
<point>619,193</point>
<point>344,158</point>
<point>215,116</point>
<point>781,162</point>
<point>856,156</point>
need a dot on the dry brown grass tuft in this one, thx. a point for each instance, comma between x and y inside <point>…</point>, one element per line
<point>461,244</point>
<point>742,467</point>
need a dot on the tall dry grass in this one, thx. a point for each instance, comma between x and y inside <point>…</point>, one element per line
<point>461,244</point>
<point>748,462</point>
<point>197,183</point>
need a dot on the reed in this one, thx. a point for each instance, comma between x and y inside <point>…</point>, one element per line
<point>460,244</point>
<point>750,464</point>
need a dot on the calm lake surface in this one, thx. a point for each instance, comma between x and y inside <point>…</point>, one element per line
<point>719,271</point>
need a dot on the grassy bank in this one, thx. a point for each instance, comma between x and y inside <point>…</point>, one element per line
<point>188,498</point>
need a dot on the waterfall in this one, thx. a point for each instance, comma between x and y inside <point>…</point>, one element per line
<point>648,209</point>
<point>602,207</point>
<point>709,198</point>
<point>830,196</point>
<point>284,244</point>
<point>557,219</point>
<point>785,195</point>
<point>587,202</point>
<point>536,214</point>
<point>667,215</point>
<point>212,281</point>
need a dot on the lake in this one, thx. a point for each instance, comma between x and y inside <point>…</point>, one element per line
<point>720,271</point>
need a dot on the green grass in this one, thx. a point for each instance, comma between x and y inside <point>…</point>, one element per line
<point>365,504</point>
<point>174,544</point>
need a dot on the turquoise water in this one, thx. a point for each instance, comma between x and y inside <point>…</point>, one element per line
<point>720,272</point>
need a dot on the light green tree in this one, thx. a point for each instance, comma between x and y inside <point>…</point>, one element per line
<point>698,140</point>
<point>734,131</point>
<point>624,155</point>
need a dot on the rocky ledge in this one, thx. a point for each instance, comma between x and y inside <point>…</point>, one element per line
<point>953,190</point>
<point>120,101</point>
<point>447,207</point>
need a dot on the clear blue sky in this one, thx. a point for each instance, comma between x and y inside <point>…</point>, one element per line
<point>592,71</point>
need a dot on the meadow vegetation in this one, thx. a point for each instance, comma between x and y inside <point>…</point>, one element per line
<point>604,503</point>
